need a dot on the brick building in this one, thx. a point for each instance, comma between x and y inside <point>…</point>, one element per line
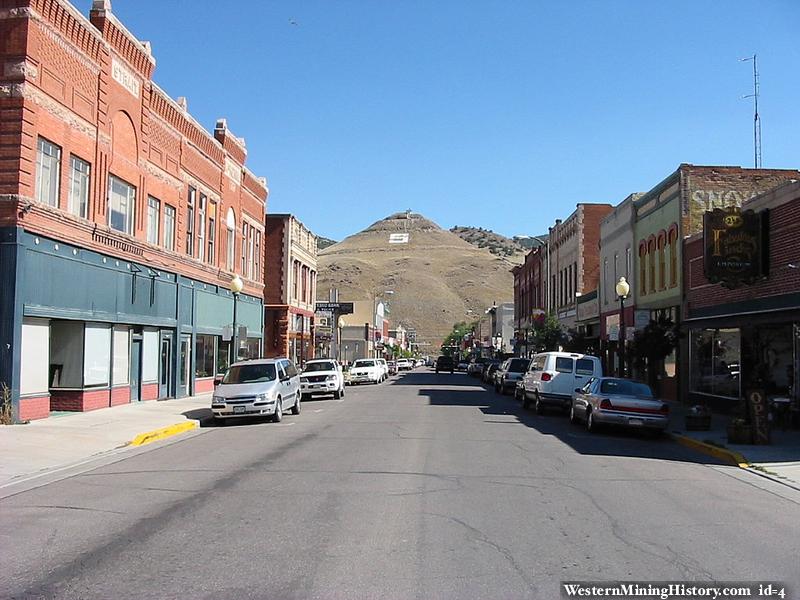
<point>122,221</point>
<point>746,336</point>
<point>530,294</point>
<point>574,259</point>
<point>290,269</point>
<point>668,213</point>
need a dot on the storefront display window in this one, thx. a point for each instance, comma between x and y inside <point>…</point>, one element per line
<point>223,355</point>
<point>768,355</point>
<point>716,362</point>
<point>204,356</point>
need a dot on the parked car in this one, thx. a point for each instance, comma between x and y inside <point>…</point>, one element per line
<point>615,401</point>
<point>489,369</point>
<point>392,367</point>
<point>475,366</point>
<point>403,364</point>
<point>462,365</point>
<point>552,377</point>
<point>509,373</point>
<point>366,370</point>
<point>263,387</point>
<point>445,363</point>
<point>322,376</point>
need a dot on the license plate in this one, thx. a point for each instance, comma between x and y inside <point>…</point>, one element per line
<point>635,422</point>
<point>239,409</point>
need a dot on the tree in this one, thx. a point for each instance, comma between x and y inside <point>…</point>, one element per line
<point>547,334</point>
<point>455,337</point>
<point>651,346</point>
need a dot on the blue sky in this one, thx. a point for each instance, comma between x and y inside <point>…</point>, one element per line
<point>498,114</point>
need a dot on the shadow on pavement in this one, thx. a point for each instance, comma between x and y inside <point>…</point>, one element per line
<point>444,390</point>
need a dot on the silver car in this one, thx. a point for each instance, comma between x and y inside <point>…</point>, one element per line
<point>265,387</point>
<point>615,401</point>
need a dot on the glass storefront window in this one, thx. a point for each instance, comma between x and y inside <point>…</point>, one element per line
<point>251,346</point>
<point>204,355</point>
<point>716,362</point>
<point>223,355</point>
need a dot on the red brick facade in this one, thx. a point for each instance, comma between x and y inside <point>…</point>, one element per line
<point>31,409</point>
<point>86,87</point>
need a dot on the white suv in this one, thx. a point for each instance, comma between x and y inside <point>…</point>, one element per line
<point>366,370</point>
<point>552,377</point>
<point>322,376</point>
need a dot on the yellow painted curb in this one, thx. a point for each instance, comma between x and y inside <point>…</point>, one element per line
<point>164,432</point>
<point>729,456</point>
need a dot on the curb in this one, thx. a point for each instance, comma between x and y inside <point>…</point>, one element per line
<point>729,456</point>
<point>163,433</point>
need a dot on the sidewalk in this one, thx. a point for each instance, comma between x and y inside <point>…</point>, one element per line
<point>68,438</point>
<point>780,460</point>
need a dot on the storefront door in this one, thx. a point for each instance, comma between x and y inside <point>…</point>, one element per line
<point>185,365</point>
<point>165,367</point>
<point>136,369</point>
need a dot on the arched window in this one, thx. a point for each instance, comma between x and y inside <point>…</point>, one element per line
<point>662,263</point>
<point>230,224</point>
<point>651,263</point>
<point>672,239</point>
<point>642,268</point>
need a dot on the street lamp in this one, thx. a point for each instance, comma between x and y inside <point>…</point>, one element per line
<point>236,286</point>
<point>623,289</point>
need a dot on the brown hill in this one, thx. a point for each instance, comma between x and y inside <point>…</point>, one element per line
<point>436,276</point>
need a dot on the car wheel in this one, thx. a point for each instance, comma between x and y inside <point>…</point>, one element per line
<point>591,424</point>
<point>573,417</point>
<point>277,417</point>
<point>496,389</point>
<point>296,407</point>
<point>526,401</point>
<point>337,394</point>
<point>539,407</point>
<point>220,422</point>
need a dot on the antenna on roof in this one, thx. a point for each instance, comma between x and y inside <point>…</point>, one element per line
<point>756,117</point>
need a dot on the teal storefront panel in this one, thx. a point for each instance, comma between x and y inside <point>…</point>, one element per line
<point>215,312</point>
<point>65,286</point>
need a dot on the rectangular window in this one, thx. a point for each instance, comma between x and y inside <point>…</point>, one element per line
<point>250,251</point>
<point>673,263</point>
<point>190,222</point>
<point>258,274</point>
<point>212,232</point>
<point>204,348</point>
<point>121,200</point>
<point>169,227</point>
<point>606,282</point>
<point>231,241</point>
<point>121,358</point>
<point>651,257</point>
<point>78,187</point>
<point>48,172</point>
<point>716,362</point>
<point>584,366</point>
<point>223,355</point>
<point>662,268</point>
<point>628,263</point>
<point>616,268</point>
<point>153,210</point>
<point>97,358</point>
<point>201,228</point>
<point>564,365</point>
<point>642,273</point>
<point>245,228</point>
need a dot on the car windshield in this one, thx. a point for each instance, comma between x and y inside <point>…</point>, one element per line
<point>319,366</point>
<point>364,363</point>
<point>623,387</point>
<point>255,373</point>
<point>518,365</point>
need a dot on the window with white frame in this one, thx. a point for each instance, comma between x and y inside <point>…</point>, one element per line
<point>79,187</point>
<point>245,229</point>
<point>212,231</point>
<point>201,227</point>
<point>48,172</point>
<point>250,251</point>
<point>230,223</point>
<point>121,200</point>
<point>169,227</point>
<point>257,275</point>
<point>97,357</point>
<point>190,222</point>
<point>153,210</point>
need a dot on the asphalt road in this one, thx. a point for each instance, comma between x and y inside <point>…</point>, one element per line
<point>430,486</point>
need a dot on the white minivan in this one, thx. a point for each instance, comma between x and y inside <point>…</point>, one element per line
<point>553,376</point>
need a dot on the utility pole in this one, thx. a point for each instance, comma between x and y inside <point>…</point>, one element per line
<point>756,116</point>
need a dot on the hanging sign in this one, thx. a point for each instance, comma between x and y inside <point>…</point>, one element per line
<point>736,246</point>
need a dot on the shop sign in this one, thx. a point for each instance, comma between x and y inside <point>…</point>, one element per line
<point>735,246</point>
<point>641,319</point>
<point>612,327</point>
<point>588,310</point>
<point>757,404</point>
<point>342,308</point>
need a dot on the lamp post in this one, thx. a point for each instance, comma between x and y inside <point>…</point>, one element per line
<point>236,285</point>
<point>623,289</point>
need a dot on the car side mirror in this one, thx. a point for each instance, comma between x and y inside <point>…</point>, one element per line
<point>579,390</point>
<point>217,381</point>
